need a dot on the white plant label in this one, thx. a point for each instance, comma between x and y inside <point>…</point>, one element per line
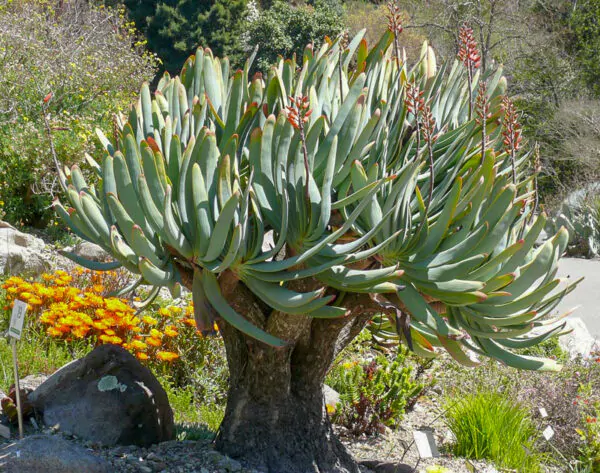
<point>543,412</point>
<point>17,319</point>
<point>548,433</point>
<point>425,444</point>
<point>4,431</point>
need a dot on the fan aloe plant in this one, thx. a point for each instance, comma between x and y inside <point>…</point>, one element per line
<point>301,205</point>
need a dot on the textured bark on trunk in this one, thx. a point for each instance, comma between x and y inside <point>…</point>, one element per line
<point>275,421</point>
<point>276,418</point>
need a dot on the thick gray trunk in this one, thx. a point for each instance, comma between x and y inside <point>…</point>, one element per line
<point>276,418</point>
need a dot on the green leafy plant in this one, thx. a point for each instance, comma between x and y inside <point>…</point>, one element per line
<point>90,61</point>
<point>298,205</point>
<point>195,418</point>
<point>491,425</point>
<point>285,29</point>
<point>373,394</point>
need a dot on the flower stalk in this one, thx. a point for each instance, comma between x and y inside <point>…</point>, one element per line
<point>298,115</point>
<point>469,55</point>
<point>511,133</point>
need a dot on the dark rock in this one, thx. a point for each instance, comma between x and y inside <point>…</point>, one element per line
<point>49,454</point>
<point>107,397</point>
<point>386,467</point>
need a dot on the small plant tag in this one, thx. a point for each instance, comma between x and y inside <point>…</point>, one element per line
<point>4,431</point>
<point>543,412</point>
<point>17,318</point>
<point>425,444</point>
<point>548,433</point>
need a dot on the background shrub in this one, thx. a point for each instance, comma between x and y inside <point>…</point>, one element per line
<point>92,63</point>
<point>285,29</point>
<point>175,28</point>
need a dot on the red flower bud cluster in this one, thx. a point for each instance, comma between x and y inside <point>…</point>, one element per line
<point>482,104</point>
<point>298,111</point>
<point>394,17</point>
<point>414,101</point>
<point>415,104</point>
<point>429,126</point>
<point>511,127</point>
<point>468,52</point>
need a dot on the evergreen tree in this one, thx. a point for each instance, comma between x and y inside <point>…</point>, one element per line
<point>284,29</point>
<point>174,28</point>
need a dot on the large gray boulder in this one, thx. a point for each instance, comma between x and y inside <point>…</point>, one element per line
<point>21,253</point>
<point>579,342</point>
<point>49,454</point>
<point>109,398</point>
<point>91,251</point>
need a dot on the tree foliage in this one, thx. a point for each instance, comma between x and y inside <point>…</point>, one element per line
<point>585,40</point>
<point>284,29</point>
<point>175,28</point>
<point>209,184</point>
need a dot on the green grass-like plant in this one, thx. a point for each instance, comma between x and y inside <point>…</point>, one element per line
<point>194,419</point>
<point>488,425</point>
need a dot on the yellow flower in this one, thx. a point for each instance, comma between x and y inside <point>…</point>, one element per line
<point>170,331</point>
<point>98,288</point>
<point>155,333</point>
<point>47,317</point>
<point>166,355</point>
<point>35,301</point>
<point>138,345</point>
<point>164,312</point>
<point>149,320</point>
<point>330,408</point>
<point>141,356</point>
<point>155,342</point>
<point>54,332</point>
<point>99,325</point>
<point>116,305</point>
<point>80,332</point>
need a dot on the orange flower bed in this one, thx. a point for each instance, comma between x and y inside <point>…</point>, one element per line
<point>76,306</point>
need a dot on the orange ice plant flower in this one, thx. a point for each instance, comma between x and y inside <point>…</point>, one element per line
<point>166,356</point>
